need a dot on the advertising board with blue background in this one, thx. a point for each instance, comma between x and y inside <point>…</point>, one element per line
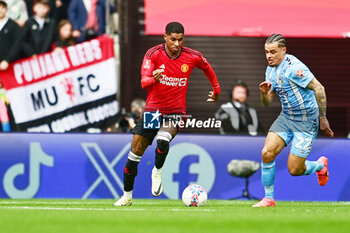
<point>91,166</point>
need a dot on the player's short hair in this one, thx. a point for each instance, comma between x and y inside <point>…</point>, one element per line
<point>174,27</point>
<point>3,4</point>
<point>277,38</point>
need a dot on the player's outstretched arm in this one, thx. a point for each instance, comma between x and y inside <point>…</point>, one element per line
<point>209,72</point>
<point>266,93</point>
<point>320,93</point>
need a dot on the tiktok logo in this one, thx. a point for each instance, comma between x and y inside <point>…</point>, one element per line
<point>186,164</point>
<point>37,157</point>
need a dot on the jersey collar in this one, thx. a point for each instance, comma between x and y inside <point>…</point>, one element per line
<point>172,58</point>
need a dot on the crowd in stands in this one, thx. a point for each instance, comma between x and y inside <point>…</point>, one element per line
<point>28,28</point>
<point>32,27</point>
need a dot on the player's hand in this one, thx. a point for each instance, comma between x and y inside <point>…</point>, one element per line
<point>157,74</point>
<point>265,86</point>
<point>212,97</point>
<point>324,126</point>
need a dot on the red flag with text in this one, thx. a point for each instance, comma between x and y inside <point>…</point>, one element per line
<point>64,91</point>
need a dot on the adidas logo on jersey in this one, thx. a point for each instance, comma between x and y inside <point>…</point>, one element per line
<point>162,67</point>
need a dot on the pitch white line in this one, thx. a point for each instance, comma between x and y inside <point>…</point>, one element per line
<point>102,209</point>
<point>67,208</point>
<point>83,202</point>
<point>51,202</point>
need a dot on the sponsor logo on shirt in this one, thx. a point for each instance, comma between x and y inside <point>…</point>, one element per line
<point>184,68</point>
<point>173,82</point>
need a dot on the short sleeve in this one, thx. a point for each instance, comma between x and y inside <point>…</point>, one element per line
<point>300,75</point>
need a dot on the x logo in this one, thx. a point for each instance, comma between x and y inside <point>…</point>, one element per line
<point>99,155</point>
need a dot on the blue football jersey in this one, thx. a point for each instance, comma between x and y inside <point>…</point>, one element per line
<point>290,79</point>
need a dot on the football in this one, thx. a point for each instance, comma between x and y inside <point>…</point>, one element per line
<point>194,195</point>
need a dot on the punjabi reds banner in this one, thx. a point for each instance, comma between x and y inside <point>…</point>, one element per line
<point>64,91</point>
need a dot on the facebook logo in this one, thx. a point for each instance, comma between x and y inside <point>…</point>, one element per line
<point>151,120</point>
<point>186,164</point>
<point>184,177</point>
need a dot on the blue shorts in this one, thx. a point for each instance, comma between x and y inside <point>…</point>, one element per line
<point>301,133</point>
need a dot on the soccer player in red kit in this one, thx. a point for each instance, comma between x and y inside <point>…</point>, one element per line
<point>165,72</point>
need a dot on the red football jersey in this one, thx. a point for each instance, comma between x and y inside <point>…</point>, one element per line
<point>169,94</point>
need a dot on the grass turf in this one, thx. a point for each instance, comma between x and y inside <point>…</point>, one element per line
<point>166,216</point>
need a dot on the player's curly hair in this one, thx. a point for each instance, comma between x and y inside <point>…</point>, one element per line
<point>174,27</point>
<point>277,38</point>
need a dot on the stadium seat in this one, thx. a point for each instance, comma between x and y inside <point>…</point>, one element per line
<point>244,169</point>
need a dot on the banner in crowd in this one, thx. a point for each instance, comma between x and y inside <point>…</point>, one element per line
<point>91,166</point>
<point>64,91</point>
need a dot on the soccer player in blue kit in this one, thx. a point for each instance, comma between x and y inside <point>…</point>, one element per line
<point>304,106</point>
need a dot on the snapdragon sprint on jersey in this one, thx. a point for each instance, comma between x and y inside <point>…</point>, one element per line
<point>191,123</point>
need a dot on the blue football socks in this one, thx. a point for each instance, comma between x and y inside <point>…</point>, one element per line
<point>268,171</point>
<point>312,166</point>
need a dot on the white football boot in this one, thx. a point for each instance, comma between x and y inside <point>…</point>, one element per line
<point>123,201</point>
<point>157,187</point>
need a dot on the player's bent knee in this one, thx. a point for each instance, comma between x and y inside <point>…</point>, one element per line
<point>139,144</point>
<point>295,171</point>
<point>268,155</point>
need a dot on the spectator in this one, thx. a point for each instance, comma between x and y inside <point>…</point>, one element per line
<point>9,33</point>
<point>126,121</point>
<point>88,18</point>
<point>65,34</point>
<point>137,108</point>
<point>38,33</point>
<point>236,116</point>
<point>17,11</point>
<point>58,9</point>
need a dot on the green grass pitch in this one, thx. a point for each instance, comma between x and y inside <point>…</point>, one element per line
<point>166,216</point>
